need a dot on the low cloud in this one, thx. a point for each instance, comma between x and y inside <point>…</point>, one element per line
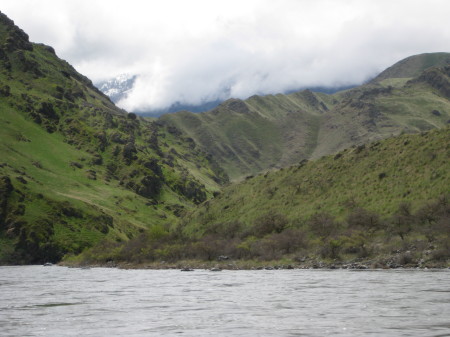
<point>196,51</point>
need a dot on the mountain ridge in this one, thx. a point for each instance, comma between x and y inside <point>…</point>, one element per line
<point>413,66</point>
<point>263,132</point>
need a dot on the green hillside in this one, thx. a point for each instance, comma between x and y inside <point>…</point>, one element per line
<point>75,169</point>
<point>385,204</point>
<point>84,181</point>
<point>378,176</point>
<point>413,66</point>
<point>262,132</point>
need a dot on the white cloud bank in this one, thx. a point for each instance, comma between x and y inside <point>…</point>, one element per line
<point>191,51</point>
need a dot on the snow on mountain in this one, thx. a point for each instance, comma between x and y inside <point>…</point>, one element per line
<point>118,87</point>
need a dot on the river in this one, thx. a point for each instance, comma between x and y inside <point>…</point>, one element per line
<point>60,301</point>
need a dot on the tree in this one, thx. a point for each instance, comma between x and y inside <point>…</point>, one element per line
<point>323,225</point>
<point>361,218</point>
<point>402,222</point>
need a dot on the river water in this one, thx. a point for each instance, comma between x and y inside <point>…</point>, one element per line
<point>60,301</point>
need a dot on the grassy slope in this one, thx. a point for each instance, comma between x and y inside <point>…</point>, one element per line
<point>413,66</point>
<point>249,136</point>
<point>64,151</point>
<point>270,131</point>
<point>348,209</point>
<point>374,112</point>
<point>377,177</point>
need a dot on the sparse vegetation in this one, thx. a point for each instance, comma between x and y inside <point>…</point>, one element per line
<point>364,236</point>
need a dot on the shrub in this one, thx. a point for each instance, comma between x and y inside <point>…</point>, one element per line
<point>289,241</point>
<point>243,249</point>
<point>356,243</point>
<point>208,248</point>
<point>226,230</point>
<point>172,252</point>
<point>361,218</point>
<point>401,223</point>
<point>405,258</point>
<point>266,249</point>
<point>269,223</point>
<point>331,248</point>
<point>441,254</point>
<point>323,225</point>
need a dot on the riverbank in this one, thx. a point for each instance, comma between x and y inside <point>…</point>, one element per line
<point>391,262</point>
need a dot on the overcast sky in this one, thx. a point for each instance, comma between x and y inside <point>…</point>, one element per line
<point>193,51</point>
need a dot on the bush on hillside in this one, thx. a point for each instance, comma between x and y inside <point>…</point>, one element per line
<point>269,223</point>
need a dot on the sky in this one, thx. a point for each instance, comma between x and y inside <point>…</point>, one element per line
<point>195,51</point>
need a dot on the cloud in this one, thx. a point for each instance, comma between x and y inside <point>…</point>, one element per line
<point>196,51</point>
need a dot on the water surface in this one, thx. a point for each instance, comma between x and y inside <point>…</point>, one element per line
<point>59,301</point>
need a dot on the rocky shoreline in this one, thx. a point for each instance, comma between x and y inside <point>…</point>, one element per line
<point>189,265</point>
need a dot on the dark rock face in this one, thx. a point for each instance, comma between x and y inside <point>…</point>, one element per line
<point>48,111</point>
<point>152,164</point>
<point>310,98</point>
<point>237,105</point>
<point>6,188</point>
<point>192,190</point>
<point>117,138</point>
<point>438,78</point>
<point>374,92</point>
<point>5,91</point>
<point>97,159</point>
<point>436,113</point>
<point>76,164</point>
<point>91,174</point>
<point>103,141</point>
<point>26,63</point>
<point>149,186</point>
<point>129,152</point>
<point>17,39</point>
<point>50,49</point>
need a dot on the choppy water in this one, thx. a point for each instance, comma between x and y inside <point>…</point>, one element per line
<point>59,301</point>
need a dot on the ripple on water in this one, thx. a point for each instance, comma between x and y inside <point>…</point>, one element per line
<point>67,302</point>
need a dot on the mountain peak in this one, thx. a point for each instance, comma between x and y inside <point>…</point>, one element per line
<point>413,66</point>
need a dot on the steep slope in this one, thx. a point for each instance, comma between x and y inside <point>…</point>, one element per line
<point>384,204</point>
<point>378,176</point>
<point>412,66</point>
<point>75,169</point>
<point>249,136</point>
<point>364,202</point>
<point>373,112</point>
<point>262,132</point>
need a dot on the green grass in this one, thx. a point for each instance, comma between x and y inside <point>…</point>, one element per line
<point>409,168</point>
<point>395,82</point>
